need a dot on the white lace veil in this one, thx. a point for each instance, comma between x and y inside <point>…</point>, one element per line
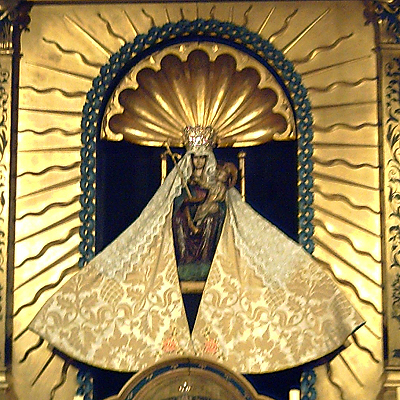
<point>270,253</point>
<point>120,256</point>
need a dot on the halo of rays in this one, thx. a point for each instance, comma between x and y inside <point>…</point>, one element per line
<point>48,184</point>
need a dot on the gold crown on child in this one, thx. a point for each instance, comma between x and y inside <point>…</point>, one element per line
<point>199,138</point>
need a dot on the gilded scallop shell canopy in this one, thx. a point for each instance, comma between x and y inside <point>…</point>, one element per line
<point>199,85</point>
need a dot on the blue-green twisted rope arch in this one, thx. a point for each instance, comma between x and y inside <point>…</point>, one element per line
<point>184,30</point>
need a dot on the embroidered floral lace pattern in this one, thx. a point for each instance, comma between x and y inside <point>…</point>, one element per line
<point>266,305</point>
<point>273,325</point>
<point>120,325</point>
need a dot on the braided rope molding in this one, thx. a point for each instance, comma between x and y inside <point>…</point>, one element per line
<point>185,30</point>
<point>307,389</point>
<point>182,31</point>
<point>85,384</point>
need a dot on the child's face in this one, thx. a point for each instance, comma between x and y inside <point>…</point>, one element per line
<point>222,175</point>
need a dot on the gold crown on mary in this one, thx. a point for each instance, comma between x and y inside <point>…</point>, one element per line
<point>199,138</point>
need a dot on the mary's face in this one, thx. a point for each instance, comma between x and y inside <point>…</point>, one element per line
<point>199,161</point>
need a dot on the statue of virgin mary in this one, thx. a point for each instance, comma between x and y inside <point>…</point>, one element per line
<point>266,305</point>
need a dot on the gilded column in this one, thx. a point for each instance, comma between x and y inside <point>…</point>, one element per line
<point>13,19</point>
<point>385,16</point>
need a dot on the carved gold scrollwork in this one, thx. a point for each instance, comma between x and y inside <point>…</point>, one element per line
<point>392,134</point>
<point>386,16</point>
<point>5,78</point>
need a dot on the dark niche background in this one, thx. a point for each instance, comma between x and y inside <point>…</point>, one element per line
<point>128,175</point>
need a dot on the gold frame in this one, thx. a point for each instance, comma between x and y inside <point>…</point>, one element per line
<point>332,49</point>
<point>201,368</point>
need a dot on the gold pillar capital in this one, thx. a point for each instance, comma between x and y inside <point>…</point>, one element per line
<point>385,15</point>
<point>14,18</point>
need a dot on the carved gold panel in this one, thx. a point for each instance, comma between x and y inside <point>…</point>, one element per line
<point>332,49</point>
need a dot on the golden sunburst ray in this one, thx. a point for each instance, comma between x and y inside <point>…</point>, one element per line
<point>111,31</point>
<point>131,23</point>
<point>49,206</point>
<point>334,65</point>
<point>86,77</point>
<point>284,27</point>
<point>285,49</point>
<point>81,56</point>
<point>338,84</point>
<point>65,93</point>
<point>319,50</point>
<point>360,204</point>
<point>98,44</point>
<point>150,18</point>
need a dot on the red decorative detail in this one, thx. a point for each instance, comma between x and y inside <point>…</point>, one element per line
<point>211,346</point>
<point>170,345</point>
